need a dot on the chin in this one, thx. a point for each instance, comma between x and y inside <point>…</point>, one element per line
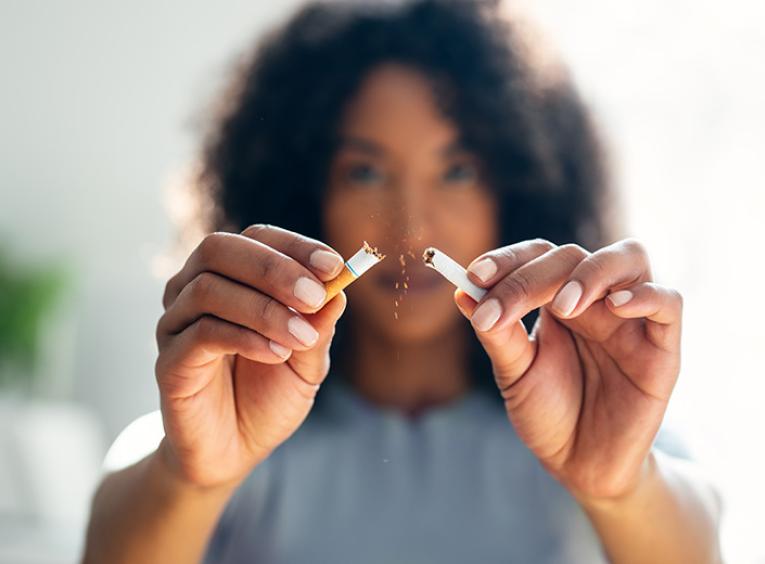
<point>412,322</point>
<point>418,330</point>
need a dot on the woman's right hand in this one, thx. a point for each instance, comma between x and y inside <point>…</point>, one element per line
<point>243,347</point>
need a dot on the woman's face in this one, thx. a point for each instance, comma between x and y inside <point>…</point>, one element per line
<point>401,181</point>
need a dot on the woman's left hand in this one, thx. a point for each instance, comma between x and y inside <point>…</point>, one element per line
<point>587,390</point>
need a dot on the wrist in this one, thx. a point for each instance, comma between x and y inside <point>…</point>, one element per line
<point>166,469</point>
<point>646,476</point>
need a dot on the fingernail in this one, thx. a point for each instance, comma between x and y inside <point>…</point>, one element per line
<point>325,261</point>
<point>566,300</point>
<point>620,298</point>
<point>309,292</point>
<point>486,315</point>
<point>484,269</point>
<point>302,331</point>
<point>279,350</point>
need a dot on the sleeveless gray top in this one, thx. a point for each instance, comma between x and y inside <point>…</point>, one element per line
<point>361,483</point>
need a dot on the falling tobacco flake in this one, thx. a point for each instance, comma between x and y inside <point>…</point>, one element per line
<point>404,283</point>
<point>402,261</point>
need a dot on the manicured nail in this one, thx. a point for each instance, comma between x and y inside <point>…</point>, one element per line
<point>566,300</point>
<point>486,315</point>
<point>326,261</point>
<point>279,350</point>
<point>620,298</point>
<point>302,331</point>
<point>309,292</point>
<point>484,269</point>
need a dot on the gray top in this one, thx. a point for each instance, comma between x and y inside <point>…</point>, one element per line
<point>360,483</point>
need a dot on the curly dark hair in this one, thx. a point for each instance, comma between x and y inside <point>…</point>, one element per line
<point>273,142</point>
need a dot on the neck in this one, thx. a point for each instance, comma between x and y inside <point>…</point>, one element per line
<point>410,377</point>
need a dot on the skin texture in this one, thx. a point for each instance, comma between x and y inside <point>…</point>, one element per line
<point>586,391</point>
<point>401,180</point>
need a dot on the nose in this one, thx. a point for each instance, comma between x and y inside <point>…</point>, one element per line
<point>411,217</point>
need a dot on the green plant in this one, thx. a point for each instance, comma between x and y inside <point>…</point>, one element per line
<point>27,297</point>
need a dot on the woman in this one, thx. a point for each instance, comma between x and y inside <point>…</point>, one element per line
<point>409,125</point>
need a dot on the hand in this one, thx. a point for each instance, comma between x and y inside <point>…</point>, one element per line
<point>243,347</point>
<point>588,389</point>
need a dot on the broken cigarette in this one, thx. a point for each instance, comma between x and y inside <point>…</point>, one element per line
<point>452,271</point>
<point>358,264</point>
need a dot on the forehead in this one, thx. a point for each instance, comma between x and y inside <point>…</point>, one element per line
<point>396,107</point>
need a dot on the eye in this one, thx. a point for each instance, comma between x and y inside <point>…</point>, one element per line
<point>364,174</point>
<point>461,173</point>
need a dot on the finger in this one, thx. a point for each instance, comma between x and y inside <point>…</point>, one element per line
<point>616,266</point>
<point>498,263</point>
<point>312,365</point>
<point>205,340</point>
<point>662,307</point>
<point>254,264</point>
<point>212,294</point>
<point>510,350</point>
<point>526,288</point>
<point>321,259</point>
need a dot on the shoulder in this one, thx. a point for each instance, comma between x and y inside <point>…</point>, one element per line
<point>670,440</point>
<point>136,441</point>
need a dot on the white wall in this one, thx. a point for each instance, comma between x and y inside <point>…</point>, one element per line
<point>681,88</point>
<point>96,104</point>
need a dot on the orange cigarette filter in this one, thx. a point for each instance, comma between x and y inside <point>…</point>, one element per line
<point>364,259</point>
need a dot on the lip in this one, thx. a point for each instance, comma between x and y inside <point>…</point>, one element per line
<point>419,280</point>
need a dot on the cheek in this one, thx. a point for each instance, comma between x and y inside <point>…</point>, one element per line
<point>470,224</point>
<point>347,223</point>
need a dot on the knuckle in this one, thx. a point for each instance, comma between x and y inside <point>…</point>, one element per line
<point>506,253</point>
<point>543,244</point>
<point>266,308</point>
<point>172,289</point>
<point>594,266</point>
<point>295,245</point>
<point>573,252</point>
<point>167,295</point>
<point>256,229</point>
<point>160,331</point>
<point>633,245</point>
<point>202,287</point>
<point>269,266</point>
<point>636,248</point>
<point>204,329</point>
<point>677,298</point>
<point>248,341</point>
<point>517,286</point>
<point>210,247</point>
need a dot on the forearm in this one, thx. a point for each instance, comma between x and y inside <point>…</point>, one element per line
<point>144,513</point>
<point>672,516</point>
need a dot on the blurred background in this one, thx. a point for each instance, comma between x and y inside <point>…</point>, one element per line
<point>98,105</point>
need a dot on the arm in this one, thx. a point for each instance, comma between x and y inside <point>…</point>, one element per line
<point>672,516</point>
<point>588,389</point>
<point>242,353</point>
<point>147,513</point>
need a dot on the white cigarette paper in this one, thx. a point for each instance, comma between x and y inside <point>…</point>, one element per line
<point>452,271</point>
<point>364,259</point>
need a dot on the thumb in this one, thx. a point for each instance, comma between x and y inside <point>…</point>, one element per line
<point>312,365</point>
<point>510,348</point>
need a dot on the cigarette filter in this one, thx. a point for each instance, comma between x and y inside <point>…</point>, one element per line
<point>452,271</point>
<point>364,259</point>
